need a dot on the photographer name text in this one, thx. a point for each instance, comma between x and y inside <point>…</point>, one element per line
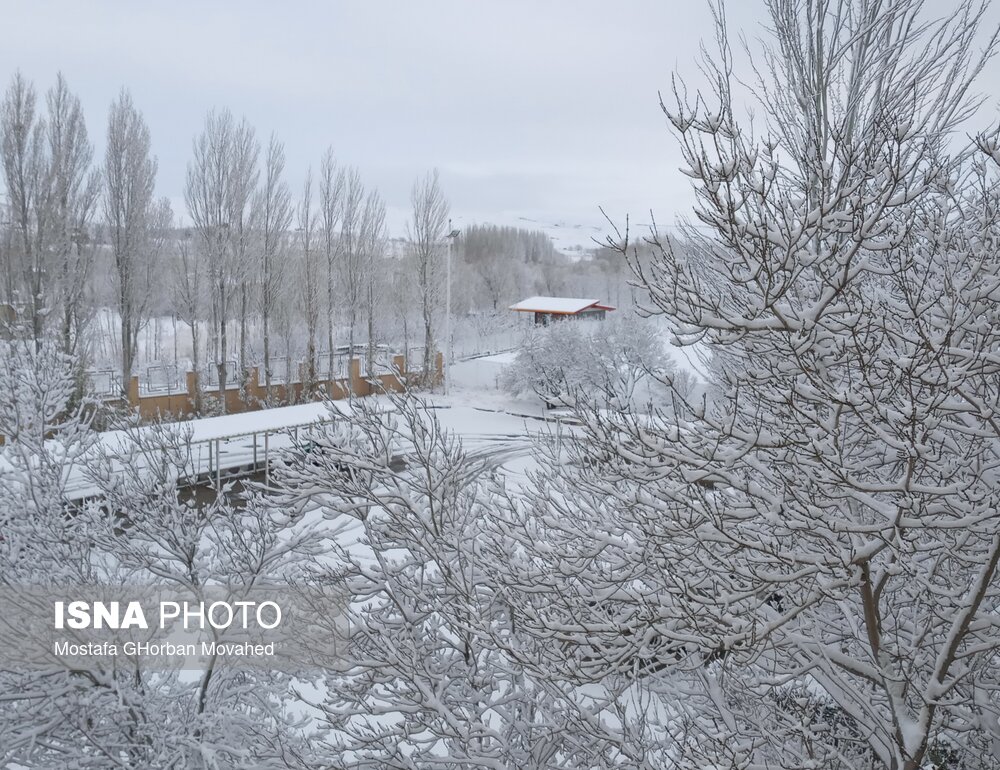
<point>162,649</point>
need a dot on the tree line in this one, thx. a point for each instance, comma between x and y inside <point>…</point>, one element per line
<point>265,270</point>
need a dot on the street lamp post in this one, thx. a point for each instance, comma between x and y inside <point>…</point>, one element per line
<point>452,235</point>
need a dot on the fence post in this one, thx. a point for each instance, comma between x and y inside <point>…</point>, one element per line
<point>399,364</point>
<point>133,390</point>
<point>358,385</point>
<point>192,391</point>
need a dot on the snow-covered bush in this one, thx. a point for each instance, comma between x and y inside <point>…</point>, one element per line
<point>617,361</point>
<point>137,529</point>
<point>44,433</point>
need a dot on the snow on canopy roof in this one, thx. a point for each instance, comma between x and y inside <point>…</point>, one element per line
<point>559,305</point>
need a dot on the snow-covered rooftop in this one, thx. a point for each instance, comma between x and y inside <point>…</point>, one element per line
<point>563,305</point>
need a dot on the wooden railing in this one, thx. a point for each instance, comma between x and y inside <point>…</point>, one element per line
<point>248,393</point>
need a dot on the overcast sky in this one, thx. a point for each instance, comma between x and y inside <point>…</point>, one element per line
<point>534,112</point>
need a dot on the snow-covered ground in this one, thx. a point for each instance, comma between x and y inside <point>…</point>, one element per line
<point>476,409</point>
<point>487,421</point>
<point>478,378</point>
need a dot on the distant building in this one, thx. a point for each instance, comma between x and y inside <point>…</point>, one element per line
<point>548,309</point>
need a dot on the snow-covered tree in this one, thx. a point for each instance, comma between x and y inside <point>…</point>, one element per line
<point>309,282</point>
<point>44,430</point>
<point>617,360</point>
<point>275,216</point>
<point>427,232</point>
<point>221,179</point>
<point>129,185</point>
<point>187,291</point>
<point>52,193</point>
<point>372,246</point>
<point>432,673</point>
<point>808,560</point>
<point>331,194</point>
<point>352,269</point>
<point>74,191</point>
<point>137,529</point>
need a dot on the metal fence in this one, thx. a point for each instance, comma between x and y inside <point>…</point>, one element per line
<point>211,375</point>
<point>415,359</point>
<point>162,378</point>
<point>281,372</point>
<point>382,362</point>
<point>335,365</point>
<point>104,383</point>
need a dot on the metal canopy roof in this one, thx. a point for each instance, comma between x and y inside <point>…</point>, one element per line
<point>558,305</point>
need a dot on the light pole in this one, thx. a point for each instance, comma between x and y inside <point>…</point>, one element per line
<point>452,235</point>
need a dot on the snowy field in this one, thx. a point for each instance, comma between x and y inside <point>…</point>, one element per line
<point>484,418</point>
<point>477,411</point>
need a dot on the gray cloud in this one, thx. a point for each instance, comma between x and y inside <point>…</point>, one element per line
<point>542,110</point>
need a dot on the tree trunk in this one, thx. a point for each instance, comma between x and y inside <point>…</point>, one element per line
<point>222,346</point>
<point>350,341</point>
<point>371,332</point>
<point>329,319</point>
<point>266,323</point>
<point>243,327</point>
<point>196,363</point>
<point>428,346</point>
<point>127,342</point>
<point>311,363</point>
